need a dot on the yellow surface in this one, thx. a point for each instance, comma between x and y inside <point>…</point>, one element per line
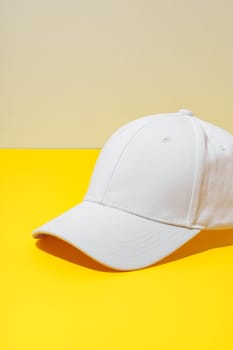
<point>54,297</point>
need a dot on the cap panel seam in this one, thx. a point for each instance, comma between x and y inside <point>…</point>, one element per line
<point>157,219</point>
<point>126,146</point>
<point>214,189</point>
<point>206,180</point>
<point>198,172</point>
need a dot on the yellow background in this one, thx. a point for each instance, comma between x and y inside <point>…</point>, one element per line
<point>74,71</point>
<point>54,297</point>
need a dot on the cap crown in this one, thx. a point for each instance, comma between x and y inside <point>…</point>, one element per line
<point>171,168</point>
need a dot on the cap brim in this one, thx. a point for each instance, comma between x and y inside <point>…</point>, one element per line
<point>116,238</point>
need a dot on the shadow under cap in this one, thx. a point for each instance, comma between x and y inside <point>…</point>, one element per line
<point>203,241</point>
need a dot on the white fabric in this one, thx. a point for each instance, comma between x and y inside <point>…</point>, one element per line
<point>215,207</point>
<point>158,181</point>
<point>151,177</point>
<point>115,238</point>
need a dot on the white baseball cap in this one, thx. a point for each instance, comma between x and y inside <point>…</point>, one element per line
<point>158,181</point>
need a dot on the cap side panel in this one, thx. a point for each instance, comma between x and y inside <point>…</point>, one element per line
<point>216,202</point>
<point>223,189</point>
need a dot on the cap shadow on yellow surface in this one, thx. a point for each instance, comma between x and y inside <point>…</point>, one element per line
<point>205,240</point>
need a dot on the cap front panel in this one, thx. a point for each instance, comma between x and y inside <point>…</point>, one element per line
<point>154,176</point>
<point>109,157</point>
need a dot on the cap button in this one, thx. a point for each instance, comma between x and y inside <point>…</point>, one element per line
<point>186,111</point>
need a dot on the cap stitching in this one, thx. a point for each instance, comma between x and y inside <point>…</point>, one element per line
<point>156,243</point>
<point>196,180</point>
<point>194,183</point>
<point>205,181</point>
<point>126,146</point>
<point>215,170</point>
<point>128,210</point>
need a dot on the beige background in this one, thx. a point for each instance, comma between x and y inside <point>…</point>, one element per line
<point>74,71</point>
